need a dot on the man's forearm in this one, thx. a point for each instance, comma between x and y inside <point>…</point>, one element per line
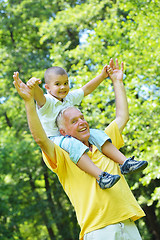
<point>122,112</point>
<point>38,132</point>
<point>34,123</point>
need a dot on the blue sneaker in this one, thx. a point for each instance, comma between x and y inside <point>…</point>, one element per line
<point>131,165</point>
<point>107,180</point>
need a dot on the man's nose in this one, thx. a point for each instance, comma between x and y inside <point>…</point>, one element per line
<point>81,121</point>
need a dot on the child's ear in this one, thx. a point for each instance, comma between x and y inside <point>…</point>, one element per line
<point>62,132</point>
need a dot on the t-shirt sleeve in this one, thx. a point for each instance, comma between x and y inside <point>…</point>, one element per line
<point>113,132</point>
<point>60,156</point>
<point>75,97</point>
<point>58,165</point>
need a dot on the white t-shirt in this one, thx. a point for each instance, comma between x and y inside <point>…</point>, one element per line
<point>48,113</point>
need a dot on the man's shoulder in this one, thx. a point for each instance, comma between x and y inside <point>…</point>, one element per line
<point>60,157</point>
<point>113,132</point>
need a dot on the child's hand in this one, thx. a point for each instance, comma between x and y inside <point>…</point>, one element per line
<point>104,71</point>
<point>33,82</point>
<point>16,76</point>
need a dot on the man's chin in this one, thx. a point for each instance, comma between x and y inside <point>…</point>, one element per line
<point>84,137</point>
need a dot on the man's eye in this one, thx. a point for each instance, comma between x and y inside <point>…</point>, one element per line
<point>74,121</point>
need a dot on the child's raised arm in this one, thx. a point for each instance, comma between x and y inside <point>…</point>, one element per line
<point>94,83</point>
<point>38,92</point>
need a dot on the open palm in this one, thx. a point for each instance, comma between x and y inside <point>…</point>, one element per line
<point>114,72</point>
<point>23,90</point>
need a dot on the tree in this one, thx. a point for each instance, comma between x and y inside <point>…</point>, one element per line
<point>31,199</point>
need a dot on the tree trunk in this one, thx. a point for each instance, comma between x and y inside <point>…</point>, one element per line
<point>42,210</point>
<point>152,222</point>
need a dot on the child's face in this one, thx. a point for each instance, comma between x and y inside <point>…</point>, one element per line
<point>58,86</point>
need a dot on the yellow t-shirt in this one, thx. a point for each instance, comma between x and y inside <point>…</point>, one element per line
<point>96,208</point>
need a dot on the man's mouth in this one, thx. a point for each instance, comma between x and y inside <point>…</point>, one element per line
<point>83,129</point>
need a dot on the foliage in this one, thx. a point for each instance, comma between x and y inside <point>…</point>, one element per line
<point>80,36</point>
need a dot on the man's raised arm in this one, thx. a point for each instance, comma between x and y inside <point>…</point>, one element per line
<point>34,123</point>
<point>116,74</point>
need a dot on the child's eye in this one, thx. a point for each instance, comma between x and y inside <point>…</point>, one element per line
<point>66,83</point>
<point>57,84</point>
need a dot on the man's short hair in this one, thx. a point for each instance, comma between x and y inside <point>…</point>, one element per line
<point>60,120</point>
<point>53,70</point>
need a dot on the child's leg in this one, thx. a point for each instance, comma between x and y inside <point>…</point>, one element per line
<point>113,153</point>
<point>86,164</point>
<point>128,165</point>
<point>104,179</point>
<point>77,152</point>
<point>103,143</point>
<point>101,140</point>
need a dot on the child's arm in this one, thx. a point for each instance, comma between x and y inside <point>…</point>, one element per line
<point>94,83</point>
<point>38,92</point>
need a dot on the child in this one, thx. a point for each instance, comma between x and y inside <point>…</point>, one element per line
<point>59,97</point>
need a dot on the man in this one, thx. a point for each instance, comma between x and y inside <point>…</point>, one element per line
<point>102,214</point>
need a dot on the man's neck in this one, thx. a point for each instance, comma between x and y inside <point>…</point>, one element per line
<point>90,147</point>
<point>87,143</point>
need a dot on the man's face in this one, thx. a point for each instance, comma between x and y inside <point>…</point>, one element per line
<point>76,126</point>
<point>58,86</point>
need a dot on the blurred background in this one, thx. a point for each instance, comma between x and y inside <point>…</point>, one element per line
<point>80,36</point>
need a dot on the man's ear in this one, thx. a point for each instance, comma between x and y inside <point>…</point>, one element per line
<point>62,132</point>
<point>47,86</point>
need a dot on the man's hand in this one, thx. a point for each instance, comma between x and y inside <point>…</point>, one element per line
<point>33,82</point>
<point>23,90</point>
<point>115,73</point>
